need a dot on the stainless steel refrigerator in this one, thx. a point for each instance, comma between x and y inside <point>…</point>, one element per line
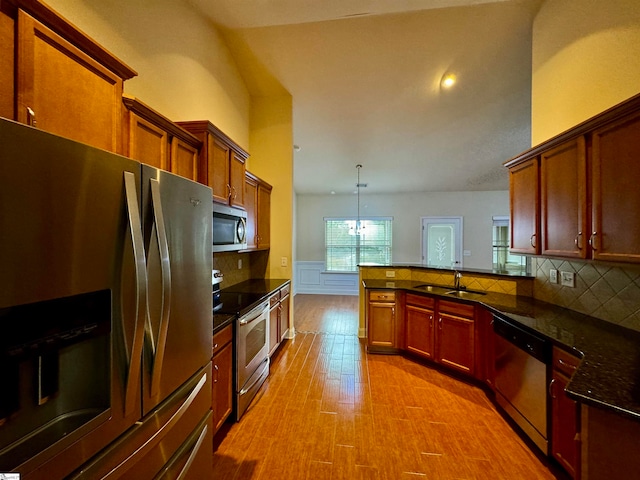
<point>105,314</point>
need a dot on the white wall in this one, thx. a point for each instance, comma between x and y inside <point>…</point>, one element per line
<point>477,208</point>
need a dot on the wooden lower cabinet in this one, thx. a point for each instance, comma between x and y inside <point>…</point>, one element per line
<point>420,332</point>
<point>382,333</point>
<point>455,336</point>
<point>278,317</point>
<point>565,444</point>
<point>222,367</point>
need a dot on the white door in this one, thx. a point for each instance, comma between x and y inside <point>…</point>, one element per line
<point>442,241</point>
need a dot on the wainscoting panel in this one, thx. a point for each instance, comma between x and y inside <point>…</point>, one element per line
<point>311,278</point>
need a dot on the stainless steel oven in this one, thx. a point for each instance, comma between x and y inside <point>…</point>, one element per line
<point>252,355</point>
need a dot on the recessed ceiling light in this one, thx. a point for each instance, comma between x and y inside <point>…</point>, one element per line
<point>448,80</point>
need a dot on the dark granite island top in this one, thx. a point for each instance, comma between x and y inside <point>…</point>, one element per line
<point>609,373</point>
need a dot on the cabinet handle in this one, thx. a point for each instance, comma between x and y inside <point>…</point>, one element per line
<point>31,117</point>
<point>592,240</point>
<point>577,241</point>
<point>229,191</point>
<point>531,240</point>
<point>235,193</point>
<point>553,381</point>
<point>431,321</point>
<point>566,364</point>
<point>215,380</point>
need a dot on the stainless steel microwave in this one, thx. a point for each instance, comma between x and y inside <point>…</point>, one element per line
<point>229,228</point>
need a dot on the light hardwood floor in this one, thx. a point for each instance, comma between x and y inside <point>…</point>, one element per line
<point>329,410</point>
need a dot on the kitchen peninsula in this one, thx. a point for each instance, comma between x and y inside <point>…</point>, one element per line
<point>605,383</point>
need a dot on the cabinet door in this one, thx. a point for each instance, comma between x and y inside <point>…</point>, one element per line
<point>455,342</point>
<point>264,217</point>
<point>564,427</point>
<point>218,170</point>
<point>62,90</point>
<point>284,317</point>
<point>250,205</point>
<point>382,325</point>
<point>236,180</point>
<point>419,331</point>
<point>616,203</point>
<point>563,198</point>
<point>147,142</point>
<point>184,159</point>
<point>274,322</point>
<point>222,385</point>
<point>524,195</point>
<point>7,64</point>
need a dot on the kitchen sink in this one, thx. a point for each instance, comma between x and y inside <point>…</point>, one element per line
<point>464,293</point>
<point>439,289</point>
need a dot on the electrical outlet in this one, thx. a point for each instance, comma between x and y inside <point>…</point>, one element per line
<point>239,264</point>
<point>553,275</point>
<point>283,261</point>
<point>568,279</point>
<point>391,273</point>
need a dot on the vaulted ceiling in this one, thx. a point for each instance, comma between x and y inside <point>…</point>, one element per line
<point>365,78</point>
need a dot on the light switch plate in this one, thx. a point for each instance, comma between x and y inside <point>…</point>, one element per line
<point>568,279</point>
<point>553,275</point>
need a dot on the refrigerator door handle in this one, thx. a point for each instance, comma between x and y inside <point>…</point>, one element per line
<point>135,357</point>
<point>165,268</point>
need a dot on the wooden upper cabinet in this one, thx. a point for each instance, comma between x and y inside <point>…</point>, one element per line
<point>588,205</point>
<point>524,198</point>
<point>563,200</point>
<point>7,63</point>
<point>63,89</point>
<point>257,202</point>
<point>153,139</point>
<point>263,216</point>
<point>221,164</point>
<point>251,205</point>
<point>616,197</point>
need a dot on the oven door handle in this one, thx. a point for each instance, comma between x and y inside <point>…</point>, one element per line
<point>141,313</point>
<point>246,389</point>
<point>250,317</point>
<point>165,273</point>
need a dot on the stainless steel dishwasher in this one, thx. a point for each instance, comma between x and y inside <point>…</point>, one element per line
<point>521,360</point>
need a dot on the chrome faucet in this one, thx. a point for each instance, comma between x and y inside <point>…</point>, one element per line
<point>457,276</point>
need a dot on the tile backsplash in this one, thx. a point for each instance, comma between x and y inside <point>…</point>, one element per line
<point>254,265</point>
<point>603,290</point>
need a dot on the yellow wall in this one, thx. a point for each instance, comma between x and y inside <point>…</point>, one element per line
<point>271,159</point>
<point>185,70</point>
<point>586,58</point>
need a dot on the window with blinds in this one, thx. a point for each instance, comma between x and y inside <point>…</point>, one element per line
<point>348,245</point>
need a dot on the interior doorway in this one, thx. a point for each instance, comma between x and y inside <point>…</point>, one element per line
<point>442,241</point>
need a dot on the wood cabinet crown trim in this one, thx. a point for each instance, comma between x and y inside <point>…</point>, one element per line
<point>61,26</point>
<point>145,111</point>
<point>199,127</point>
<point>610,115</point>
<point>257,180</point>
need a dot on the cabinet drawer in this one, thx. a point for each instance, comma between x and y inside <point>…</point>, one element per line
<point>275,298</point>
<point>564,362</point>
<point>420,301</point>
<point>284,291</point>
<point>382,296</point>
<point>221,338</point>
<point>455,308</point>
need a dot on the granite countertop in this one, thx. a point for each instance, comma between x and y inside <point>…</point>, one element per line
<point>608,375</point>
